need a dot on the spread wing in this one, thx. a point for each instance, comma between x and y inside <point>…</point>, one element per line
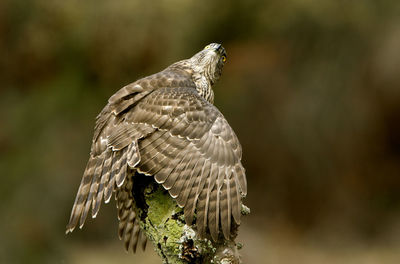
<point>178,137</point>
<point>194,154</point>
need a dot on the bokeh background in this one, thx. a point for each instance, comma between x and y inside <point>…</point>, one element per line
<point>312,89</point>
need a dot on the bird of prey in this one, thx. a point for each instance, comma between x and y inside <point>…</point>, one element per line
<point>165,126</point>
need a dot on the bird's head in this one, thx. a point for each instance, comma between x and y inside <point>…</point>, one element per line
<point>209,62</point>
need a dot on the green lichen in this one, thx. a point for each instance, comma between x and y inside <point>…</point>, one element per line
<point>161,228</point>
<point>244,210</point>
<point>161,207</point>
<point>177,243</point>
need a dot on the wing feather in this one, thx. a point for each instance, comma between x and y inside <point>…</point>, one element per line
<point>121,175</point>
<point>105,175</point>
<point>178,137</point>
<point>241,178</point>
<point>194,174</point>
<point>173,176</point>
<point>184,175</point>
<point>220,181</point>
<point>158,164</point>
<point>95,185</point>
<point>150,149</point>
<point>197,188</point>
<point>93,188</point>
<point>211,183</point>
<point>225,206</point>
<point>133,155</point>
<point>235,200</point>
<point>201,213</point>
<point>212,213</point>
<point>116,163</point>
<point>81,197</point>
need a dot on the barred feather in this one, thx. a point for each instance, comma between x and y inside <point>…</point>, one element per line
<point>225,205</point>
<point>135,236</point>
<point>133,155</point>
<point>128,228</point>
<point>173,176</point>
<point>201,213</point>
<point>184,176</point>
<point>120,177</point>
<point>188,185</point>
<point>105,175</point>
<point>114,170</point>
<point>81,197</point>
<point>212,214</point>
<point>93,188</point>
<point>142,240</point>
<point>235,200</point>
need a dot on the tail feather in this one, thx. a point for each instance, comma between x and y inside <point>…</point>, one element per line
<point>142,240</point>
<point>128,228</point>
<point>135,235</point>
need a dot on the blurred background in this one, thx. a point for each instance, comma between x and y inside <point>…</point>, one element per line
<point>312,89</point>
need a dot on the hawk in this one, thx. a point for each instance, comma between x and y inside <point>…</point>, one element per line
<point>165,126</point>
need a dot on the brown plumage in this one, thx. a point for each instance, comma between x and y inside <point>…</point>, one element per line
<point>166,126</point>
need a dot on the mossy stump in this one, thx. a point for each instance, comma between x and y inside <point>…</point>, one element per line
<point>175,242</point>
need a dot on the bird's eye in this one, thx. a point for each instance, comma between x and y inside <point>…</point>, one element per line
<point>223,58</point>
<point>207,47</point>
